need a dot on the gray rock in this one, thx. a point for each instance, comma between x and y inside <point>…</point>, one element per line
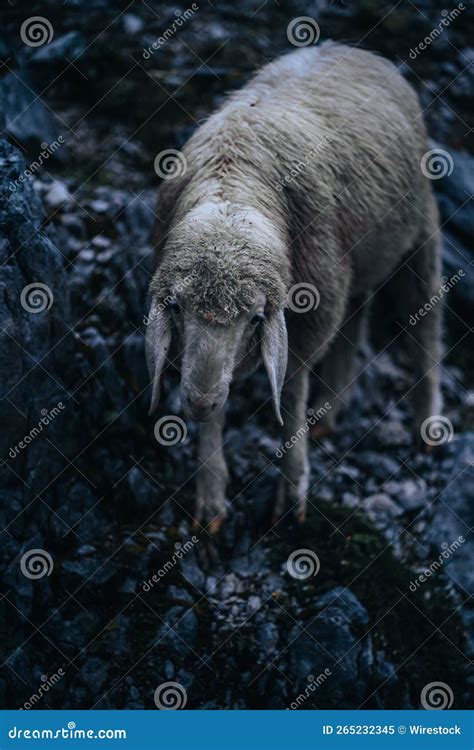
<point>93,673</point>
<point>58,195</point>
<point>179,630</point>
<point>192,572</point>
<point>455,190</point>
<point>27,119</point>
<point>389,434</point>
<point>409,493</point>
<point>132,23</point>
<point>66,47</point>
<point>142,489</point>
<point>330,645</point>
<point>381,509</point>
<point>454,515</point>
<point>267,637</point>
<point>377,464</point>
<point>457,257</point>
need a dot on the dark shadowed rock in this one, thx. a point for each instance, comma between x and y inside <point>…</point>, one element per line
<point>331,641</point>
<point>453,522</point>
<point>454,516</point>
<point>27,118</point>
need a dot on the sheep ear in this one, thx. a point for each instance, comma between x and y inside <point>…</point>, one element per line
<point>157,344</point>
<point>275,355</point>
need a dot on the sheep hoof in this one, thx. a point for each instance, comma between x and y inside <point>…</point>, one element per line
<point>319,431</point>
<point>215,525</point>
<point>301,516</point>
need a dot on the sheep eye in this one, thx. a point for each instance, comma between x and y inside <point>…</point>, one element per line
<point>257,318</point>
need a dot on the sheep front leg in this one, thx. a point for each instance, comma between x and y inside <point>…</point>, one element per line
<point>212,474</point>
<point>294,482</point>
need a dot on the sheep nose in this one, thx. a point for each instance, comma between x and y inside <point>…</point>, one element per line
<point>201,408</point>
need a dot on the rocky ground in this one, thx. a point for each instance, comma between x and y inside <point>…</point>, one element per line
<point>110,505</point>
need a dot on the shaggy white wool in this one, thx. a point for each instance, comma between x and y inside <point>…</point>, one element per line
<point>305,175</point>
<point>221,271</point>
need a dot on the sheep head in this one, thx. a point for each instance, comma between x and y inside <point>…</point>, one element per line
<point>222,299</point>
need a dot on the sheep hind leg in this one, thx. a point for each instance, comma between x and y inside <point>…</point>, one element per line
<point>337,370</point>
<point>295,470</point>
<point>212,475</point>
<point>420,283</point>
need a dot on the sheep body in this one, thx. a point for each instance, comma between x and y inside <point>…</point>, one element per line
<point>309,175</point>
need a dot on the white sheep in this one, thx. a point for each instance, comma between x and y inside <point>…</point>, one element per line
<point>310,175</point>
